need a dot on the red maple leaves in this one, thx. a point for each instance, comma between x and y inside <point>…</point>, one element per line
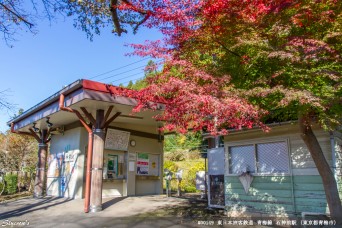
<point>194,91</point>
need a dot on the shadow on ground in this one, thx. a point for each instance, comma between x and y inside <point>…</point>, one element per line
<point>191,207</point>
<point>112,202</point>
<point>40,204</point>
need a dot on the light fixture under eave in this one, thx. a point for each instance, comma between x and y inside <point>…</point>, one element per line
<point>35,129</point>
<point>49,124</point>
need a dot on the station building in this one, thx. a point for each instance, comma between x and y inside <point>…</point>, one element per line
<point>97,147</point>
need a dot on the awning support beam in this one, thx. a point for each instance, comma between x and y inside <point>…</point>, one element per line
<point>89,116</point>
<point>105,124</point>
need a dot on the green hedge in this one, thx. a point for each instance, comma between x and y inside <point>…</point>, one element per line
<point>11,183</point>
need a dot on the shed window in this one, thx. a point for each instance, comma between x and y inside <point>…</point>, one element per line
<point>263,158</point>
<point>242,159</point>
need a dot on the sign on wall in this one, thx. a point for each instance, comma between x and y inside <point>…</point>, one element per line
<point>56,167</point>
<point>147,164</point>
<point>62,164</point>
<point>154,165</point>
<point>117,140</point>
<point>132,156</point>
<point>142,164</point>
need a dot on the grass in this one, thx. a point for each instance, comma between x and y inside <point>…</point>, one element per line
<point>15,196</point>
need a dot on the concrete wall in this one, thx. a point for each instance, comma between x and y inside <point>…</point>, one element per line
<point>280,194</point>
<point>66,165</point>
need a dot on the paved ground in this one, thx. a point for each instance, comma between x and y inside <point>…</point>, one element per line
<point>130,212</point>
<point>145,211</point>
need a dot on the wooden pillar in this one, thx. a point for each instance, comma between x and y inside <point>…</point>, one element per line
<point>41,167</point>
<point>97,164</point>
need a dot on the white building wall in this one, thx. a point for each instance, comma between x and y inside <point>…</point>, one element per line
<point>65,165</point>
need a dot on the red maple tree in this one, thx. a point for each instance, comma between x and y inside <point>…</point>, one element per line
<point>229,63</point>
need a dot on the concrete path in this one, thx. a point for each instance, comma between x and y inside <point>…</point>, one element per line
<point>117,212</point>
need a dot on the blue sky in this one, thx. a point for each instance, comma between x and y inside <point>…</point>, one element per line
<point>40,65</point>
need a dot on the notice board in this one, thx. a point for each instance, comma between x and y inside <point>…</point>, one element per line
<point>147,164</point>
<point>117,140</point>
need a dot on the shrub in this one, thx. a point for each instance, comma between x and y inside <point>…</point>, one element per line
<point>170,165</point>
<point>188,183</point>
<point>11,183</point>
<point>176,155</point>
<point>193,155</point>
<point>1,187</point>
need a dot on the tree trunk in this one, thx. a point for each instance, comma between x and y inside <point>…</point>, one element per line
<point>328,179</point>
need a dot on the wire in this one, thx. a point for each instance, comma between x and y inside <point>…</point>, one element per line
<point>140,67</point>
<point>133,80</point>
<point>126,77</point>
<point>119,68</point>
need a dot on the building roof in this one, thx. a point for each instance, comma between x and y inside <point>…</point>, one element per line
<point>82,94</point>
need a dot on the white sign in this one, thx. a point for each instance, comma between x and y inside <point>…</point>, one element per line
<point>117,140</point>
<point>200,180</point>
<point>131,156</point>
<point>131,167</point>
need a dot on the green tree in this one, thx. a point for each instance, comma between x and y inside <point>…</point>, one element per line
<point>150,71</point>
<point>184,142</point>
<point>89,16</point>
<point>17,151</point>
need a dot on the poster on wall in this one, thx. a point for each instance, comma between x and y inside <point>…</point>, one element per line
<point>142,164</point>
<point>154,165</point>
<point>117,140</point>
<point>132,156</point>
<point>62,164</point>
<point>53,170</point>
<point>148,164</point>
<point>55,162</point>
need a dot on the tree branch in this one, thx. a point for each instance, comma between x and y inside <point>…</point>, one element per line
<point>29,24</point>
<point>227,49</point>
<point>115,18</point>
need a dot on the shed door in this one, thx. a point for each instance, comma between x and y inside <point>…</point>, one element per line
<point>216,164</point>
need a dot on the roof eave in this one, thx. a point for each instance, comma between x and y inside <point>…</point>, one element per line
<point>66,90</point>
